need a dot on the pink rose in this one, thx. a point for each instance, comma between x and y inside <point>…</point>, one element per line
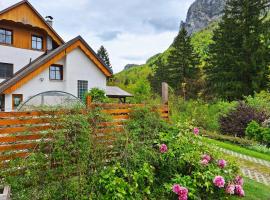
<point>176,188</point>
<point>204,162</point>
<point>196,131</point>
<point>239,190</point>
<point>206,157</point>
<point>222,163</point>
<point>163,148</point>
<point>230,189</point>
<point>239,180</point>
<point>219,181</point>
<point>183,193</point>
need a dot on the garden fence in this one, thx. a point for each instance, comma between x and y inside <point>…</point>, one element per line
<point>21,132</point>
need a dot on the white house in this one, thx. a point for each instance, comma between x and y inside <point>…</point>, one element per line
<point>35,59</point>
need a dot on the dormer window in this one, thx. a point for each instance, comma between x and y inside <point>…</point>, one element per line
<point>37,42</point>
<point>6,36</point>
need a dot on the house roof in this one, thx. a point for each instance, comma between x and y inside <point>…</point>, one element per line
<point>116,92</point>
<point>49,58</point>
<point>37,13</point>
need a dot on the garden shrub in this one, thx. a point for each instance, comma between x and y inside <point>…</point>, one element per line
<point>98,95</point>
<point>260,101</point>
<point>257,132</point>
<point>235,122</point>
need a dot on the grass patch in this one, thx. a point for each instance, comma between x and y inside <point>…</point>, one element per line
<point>255,191</point>
<point>238,149</point>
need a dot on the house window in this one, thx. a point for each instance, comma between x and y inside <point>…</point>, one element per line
<point>56,72</point>
<point>37,42</point>
<point>16,100</point>
<point>6,36</point>
<point>6,70</point>
<point>82,88</point>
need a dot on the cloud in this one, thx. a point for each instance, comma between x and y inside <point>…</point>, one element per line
<point>132,31</point>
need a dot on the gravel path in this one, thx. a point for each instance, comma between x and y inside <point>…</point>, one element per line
<point>250,172</point>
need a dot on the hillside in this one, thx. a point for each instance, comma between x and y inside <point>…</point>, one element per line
<point>130,78</point>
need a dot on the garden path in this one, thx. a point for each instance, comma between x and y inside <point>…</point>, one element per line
<point>251,167</point>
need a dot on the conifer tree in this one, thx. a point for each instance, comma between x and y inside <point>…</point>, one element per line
<point>159,76</point>
<point>239,56</point>
<point>182,65</point>
<point>104,55</point>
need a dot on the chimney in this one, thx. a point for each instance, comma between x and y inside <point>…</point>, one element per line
<point>49,20</point>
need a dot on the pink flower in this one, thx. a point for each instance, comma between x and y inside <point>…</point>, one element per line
<point>196,131</point>
<point>204,162</point>
<point>230,189</point>
<point>222,163</point>
<point>239,190</point>
<point>163,148</point>
<point>219,181</point>
<point>176,188</point>
<point>183,193</point>
<point>239,180</point>
<point>206,157</point>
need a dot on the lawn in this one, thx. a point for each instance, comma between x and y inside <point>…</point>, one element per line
<point>255,191</point>
<point>238,149</point>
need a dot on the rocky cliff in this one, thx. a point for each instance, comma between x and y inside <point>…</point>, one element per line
<point>202,12</point>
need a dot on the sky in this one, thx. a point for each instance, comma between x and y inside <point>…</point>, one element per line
<point>131,30</point>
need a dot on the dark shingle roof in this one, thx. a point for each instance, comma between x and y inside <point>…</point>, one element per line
<point>113,91</point>
<point>43,59</point>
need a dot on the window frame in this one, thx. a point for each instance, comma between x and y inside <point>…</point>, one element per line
<point>13,100</point>
<point>61,72</point>
<point>36,42</point>
<point>80,96</point>
<point>11,31</point>
<point>7,77</point>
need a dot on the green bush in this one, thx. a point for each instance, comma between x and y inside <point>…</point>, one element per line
<point>98,95</point>
<point>205,114</point>
<point>257,132</point>
<point>260,101</point>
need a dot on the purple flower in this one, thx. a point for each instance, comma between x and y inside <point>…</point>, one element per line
<point>222,163</point>
<point>219,181</point>
<point>163,148</point>
<point>230,189</point>
<point>204,162</point>
<point>206,157</point>
<point>239,180</point>
<point>196,131</point>
<point>239,190</point>
<point>176,188</point>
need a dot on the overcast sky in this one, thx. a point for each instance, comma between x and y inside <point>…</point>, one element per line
<point>131,30</point>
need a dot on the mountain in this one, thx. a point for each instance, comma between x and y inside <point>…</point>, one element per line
<point>202,12</point>
<point>128,66</point>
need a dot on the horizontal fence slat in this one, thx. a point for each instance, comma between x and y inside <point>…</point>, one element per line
<point>10,130</point>
<point>18,147</point>
<point>6,122</point>
<point>24,137</point>
<point>14,156</point>
<point>117,111</point>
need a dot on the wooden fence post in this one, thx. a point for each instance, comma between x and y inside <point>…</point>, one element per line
<point>88,101</point>
<point>165,93</point>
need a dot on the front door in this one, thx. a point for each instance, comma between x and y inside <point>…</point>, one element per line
<point>2,102</point>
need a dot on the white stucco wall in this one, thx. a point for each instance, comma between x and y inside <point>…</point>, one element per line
<point>16,56</point>
<point>77,66</point>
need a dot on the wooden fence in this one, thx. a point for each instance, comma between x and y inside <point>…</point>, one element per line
<point>20,132</point>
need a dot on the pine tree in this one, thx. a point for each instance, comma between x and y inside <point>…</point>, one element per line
<point>103,54</point>
<point>182,67</point>
<point>238,56</point>
<point>159,76</point>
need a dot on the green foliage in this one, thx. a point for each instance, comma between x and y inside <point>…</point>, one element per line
<point>239,56</point>
<point>260,101</point>
<point>103,54</point>
<point>257,132</point>
<point>118,183</point>
<point>98,95</point>
<point>204,114</point>
<point>59,169</point>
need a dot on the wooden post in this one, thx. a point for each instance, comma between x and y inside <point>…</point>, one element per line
<point>88,101</point>
<point>165,93</point>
